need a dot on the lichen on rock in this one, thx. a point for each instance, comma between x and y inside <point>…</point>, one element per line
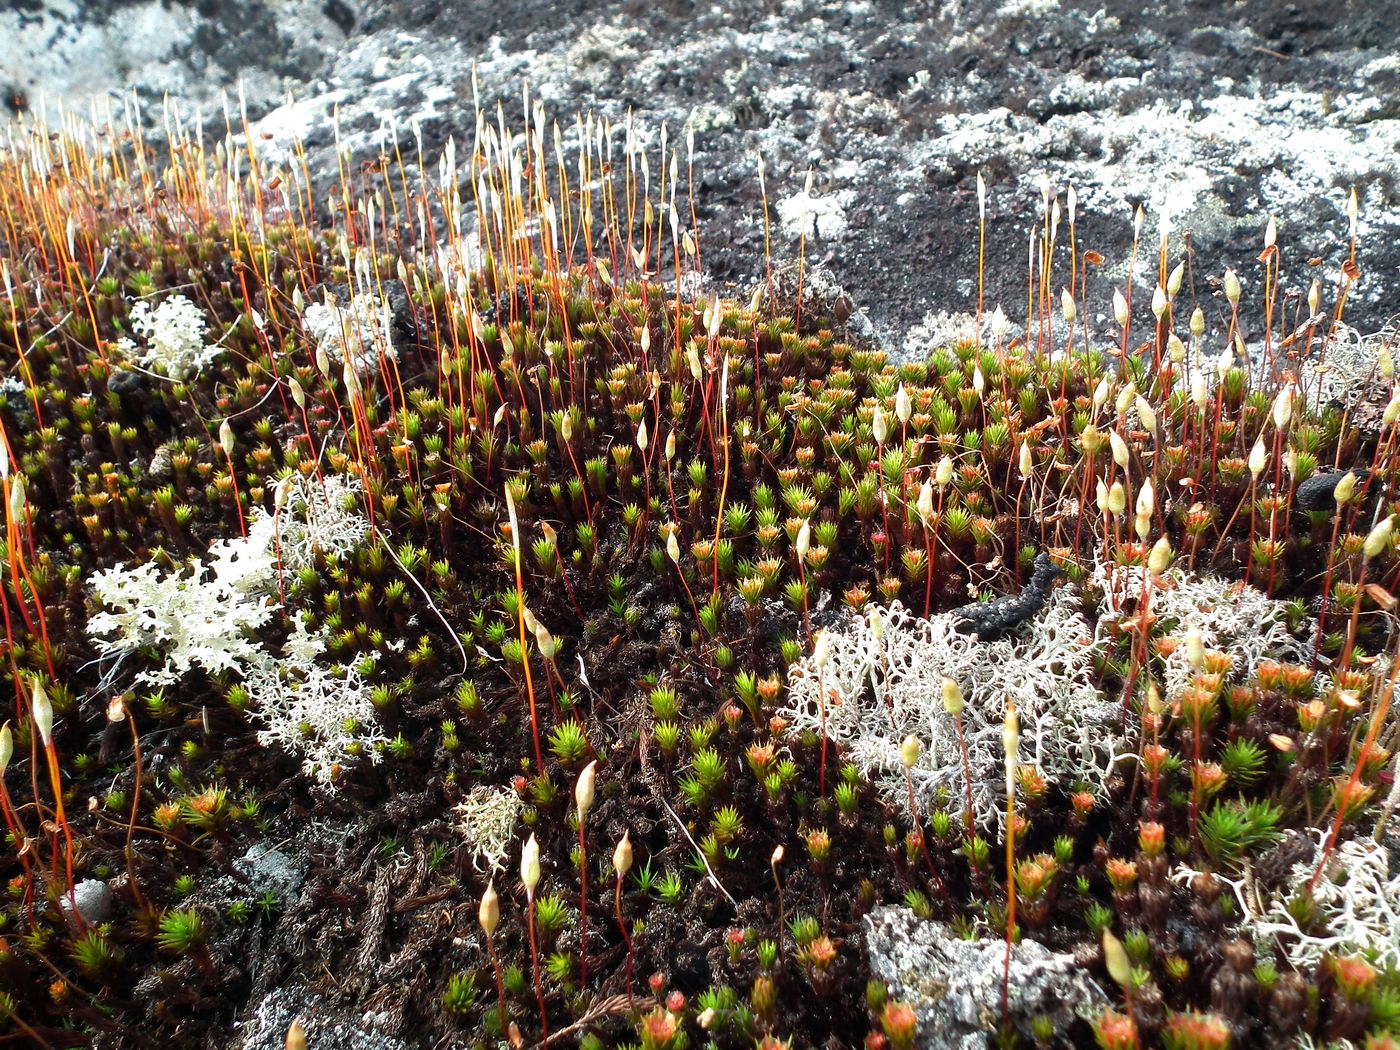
<point>955,985</point>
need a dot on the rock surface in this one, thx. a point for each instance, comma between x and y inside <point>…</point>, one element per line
<point>93,900</point>
<point>1217,115</point>
<point>955,985</point>
<point>326,1028</point>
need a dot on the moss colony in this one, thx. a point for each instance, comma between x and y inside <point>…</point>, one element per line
<point>492,635</point>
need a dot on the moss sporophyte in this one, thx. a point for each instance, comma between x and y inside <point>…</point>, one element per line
<point>369,530</point>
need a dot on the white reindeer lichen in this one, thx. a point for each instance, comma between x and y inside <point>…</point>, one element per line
<point>486,820</point>
<point>321,515</point>
<point>194,618</point>
<point>1349,370</point>
<point>1358,906</point>
<point>174,335</point>
<point>208,616</point>
<point>1233,618</point>
<point>321,712</point>
<point>881,678</point>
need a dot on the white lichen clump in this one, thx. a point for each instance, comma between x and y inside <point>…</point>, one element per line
<point>208,616</point>
<point>355,333</point>
<point>1232,618</point>
<point>321,514</point>
<point>321,712</point>
<point>174,334</point>
<point>486,821</point>
<point>1358,905</point>
<point>881,679</point>
<point>194,618</point>
<point>1350,368</point>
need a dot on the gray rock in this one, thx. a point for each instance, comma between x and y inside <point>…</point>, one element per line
<point>265,1026</point>
<point>268,868</point>
<point>1217,114</point>
<point>93,900</point>
<point>955,985</point>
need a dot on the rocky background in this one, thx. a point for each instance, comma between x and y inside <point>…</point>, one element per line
<point>1218,113</point>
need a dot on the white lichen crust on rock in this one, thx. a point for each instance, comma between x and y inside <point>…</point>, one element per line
<point>358,333</point>
<point>955,985</point>
<point>897,135</point>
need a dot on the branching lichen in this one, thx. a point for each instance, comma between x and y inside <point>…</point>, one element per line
<point>486,820</point>
<point>1357,904</point>
<point>208,617</point>
<point>1232,617</point>
<point>193,617</point>
<point>174,335</point>
<point>882,678</point>
<point>323,713</point>
<point>321,515</point>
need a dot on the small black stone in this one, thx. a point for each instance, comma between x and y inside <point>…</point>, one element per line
<point>124,382</point>
<point>504,306</point>
<point>1316,492</point>
<point>339,13</point>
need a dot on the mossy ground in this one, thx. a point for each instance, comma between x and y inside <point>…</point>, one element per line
<point>682,492</point>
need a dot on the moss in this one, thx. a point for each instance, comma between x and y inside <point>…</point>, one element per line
<point>464,530</point>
